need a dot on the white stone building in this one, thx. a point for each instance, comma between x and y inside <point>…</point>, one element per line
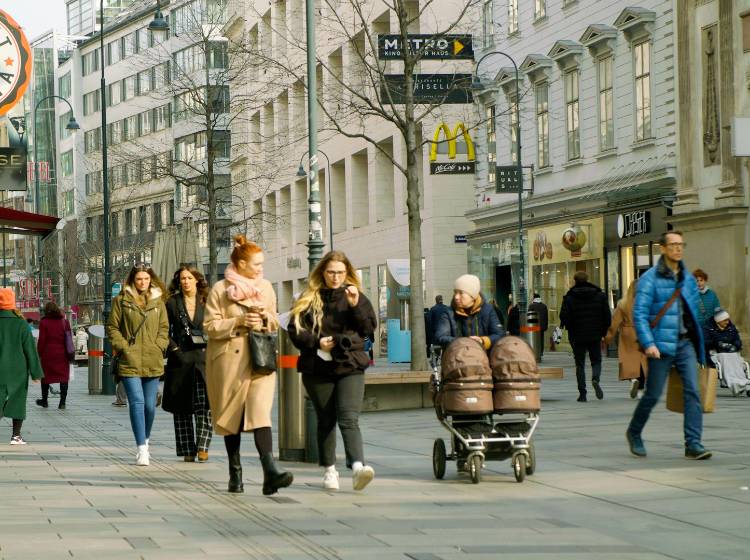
<point>148,135</point>
<point>363,190</point>
<point>713,68</point>
<point>598,125</point>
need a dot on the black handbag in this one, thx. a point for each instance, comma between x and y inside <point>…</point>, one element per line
<point>264,351</point>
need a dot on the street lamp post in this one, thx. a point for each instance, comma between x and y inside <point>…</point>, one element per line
<point>72,125</point>
<point>302,173</point>
<point>157,25</point>
<point>315,229</point>
<point>477,85</point>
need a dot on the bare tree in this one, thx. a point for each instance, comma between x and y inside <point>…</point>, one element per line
<point>367,93</point>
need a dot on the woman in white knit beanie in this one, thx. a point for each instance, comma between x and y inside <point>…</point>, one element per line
<point>472,316</point>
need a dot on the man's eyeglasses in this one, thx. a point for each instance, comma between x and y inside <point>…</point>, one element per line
<point>676,245</point>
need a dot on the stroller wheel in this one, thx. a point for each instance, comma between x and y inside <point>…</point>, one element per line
<point>531,462</point>
<point>475,468</point>
<point>438,458</point>
<point>519,466</point>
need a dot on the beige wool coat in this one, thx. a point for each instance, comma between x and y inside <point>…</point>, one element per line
<point>240,400</point>
<point>631,359</point>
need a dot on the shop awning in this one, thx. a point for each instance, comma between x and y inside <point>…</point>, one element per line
<point>399,269</point>
<point>26,223</point>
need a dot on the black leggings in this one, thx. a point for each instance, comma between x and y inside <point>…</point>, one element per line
<point>63,391</point>
<point>263,441</point>
<point>17,427</point>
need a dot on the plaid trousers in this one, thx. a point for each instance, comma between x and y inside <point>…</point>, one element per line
<point>185,433</point>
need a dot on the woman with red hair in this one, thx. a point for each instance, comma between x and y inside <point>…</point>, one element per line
<point>240,398</point>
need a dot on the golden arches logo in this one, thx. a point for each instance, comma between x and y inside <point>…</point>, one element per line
<point>450,137</point>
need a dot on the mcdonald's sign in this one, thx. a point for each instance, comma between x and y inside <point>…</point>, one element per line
<point>453,167</point>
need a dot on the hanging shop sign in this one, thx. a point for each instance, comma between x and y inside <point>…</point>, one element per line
<point>451,148</point>
<point>13,165</point>
<point>452,168</point>
<point>438,89</point>
<point>634,223</point>
<point>428,47</point>
<point>508,178</point>
<point>15,62</point>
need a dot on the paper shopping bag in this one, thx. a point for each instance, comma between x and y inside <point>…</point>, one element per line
<point>707,381</point>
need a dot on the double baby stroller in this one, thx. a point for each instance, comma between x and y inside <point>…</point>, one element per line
<point>489,406</point>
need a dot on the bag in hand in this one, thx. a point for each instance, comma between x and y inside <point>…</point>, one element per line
<point>70,349</point>
<point>707,381</point>
<point>263,351</point>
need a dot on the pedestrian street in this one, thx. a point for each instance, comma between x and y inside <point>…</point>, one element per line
<point>74,491</point>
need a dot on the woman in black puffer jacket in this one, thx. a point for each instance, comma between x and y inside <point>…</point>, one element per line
<point>329,323</point>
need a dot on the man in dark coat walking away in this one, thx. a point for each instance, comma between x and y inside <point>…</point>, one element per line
<point>541,309</point>
<point>433,319</point>
<point>586,315</point>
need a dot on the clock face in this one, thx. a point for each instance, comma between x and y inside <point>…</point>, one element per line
<point>15,62</point>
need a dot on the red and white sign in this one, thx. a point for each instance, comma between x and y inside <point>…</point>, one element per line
<point>15,62</point>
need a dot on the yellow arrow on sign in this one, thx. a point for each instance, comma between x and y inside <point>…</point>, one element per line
<point>457,47</point>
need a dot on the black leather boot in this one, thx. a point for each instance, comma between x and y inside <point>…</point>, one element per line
<point>235,474</point>
<point>273,478</point>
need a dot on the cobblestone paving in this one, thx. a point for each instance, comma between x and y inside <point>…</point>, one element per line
<point>74,491</point>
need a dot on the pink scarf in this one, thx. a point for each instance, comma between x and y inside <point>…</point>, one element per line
<point>240,287</point>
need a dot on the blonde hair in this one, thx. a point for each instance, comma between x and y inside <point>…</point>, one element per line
<point>629,299</point>
<point>310,300</point>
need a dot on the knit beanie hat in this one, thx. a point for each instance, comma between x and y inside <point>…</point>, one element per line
<point>469,284</point>
<point>7,299</point>
<point>721,315</point>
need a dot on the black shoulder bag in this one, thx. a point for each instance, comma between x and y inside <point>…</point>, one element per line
<point>115,365</point>
<point>264,350</point>
<point>195,335</point>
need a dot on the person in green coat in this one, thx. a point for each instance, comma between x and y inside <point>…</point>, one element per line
<point>139,330</point>
<point>18,361</point>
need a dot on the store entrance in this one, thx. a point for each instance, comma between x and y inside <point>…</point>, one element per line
<point>503,290</point>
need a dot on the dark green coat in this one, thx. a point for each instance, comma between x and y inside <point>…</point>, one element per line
<point>145,357</point>
<point>18,361</point>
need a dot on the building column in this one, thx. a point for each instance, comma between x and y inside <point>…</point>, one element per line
<point>687,192</point>
<point>731,184</point>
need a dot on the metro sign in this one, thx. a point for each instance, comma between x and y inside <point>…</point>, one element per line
<point>428,47</point>
<point>15,62</point>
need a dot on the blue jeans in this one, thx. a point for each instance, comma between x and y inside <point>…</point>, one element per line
<point>141,405</point>
<point>658,371</point>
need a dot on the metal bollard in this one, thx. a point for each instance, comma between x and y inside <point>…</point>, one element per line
<point>96,357</point>
<point>291,403</point>
<point>532,333</point>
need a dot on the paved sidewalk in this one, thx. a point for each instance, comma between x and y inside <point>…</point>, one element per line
<point>74,492</point>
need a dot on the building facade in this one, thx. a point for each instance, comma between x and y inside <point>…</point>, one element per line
<point>596,82</point>
<point>156,147</point>
<point>363,193</point>
<point>713,61</point>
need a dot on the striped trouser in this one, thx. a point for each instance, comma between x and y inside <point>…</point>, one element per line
<point>184,431</point>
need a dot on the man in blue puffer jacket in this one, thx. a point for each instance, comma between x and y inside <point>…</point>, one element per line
<point>669,330</point>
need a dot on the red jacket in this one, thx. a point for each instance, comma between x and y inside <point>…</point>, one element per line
<point>51,349</point>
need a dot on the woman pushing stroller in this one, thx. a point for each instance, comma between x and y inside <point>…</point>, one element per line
<point>471,316</point>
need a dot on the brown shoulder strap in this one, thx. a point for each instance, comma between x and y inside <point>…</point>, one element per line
<point>664,309</point>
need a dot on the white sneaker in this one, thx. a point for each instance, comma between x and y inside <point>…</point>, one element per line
<point>17,440</point>
<point>142,457</point>
<point>362,477</point>
<point>331,480</point>
<point>640,393</point>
